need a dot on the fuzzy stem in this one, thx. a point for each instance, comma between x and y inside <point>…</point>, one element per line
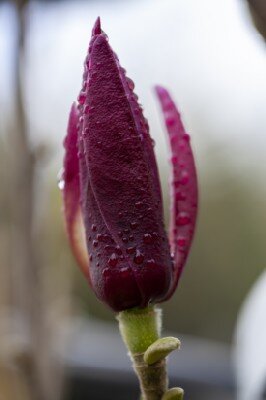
<point>139,329</point>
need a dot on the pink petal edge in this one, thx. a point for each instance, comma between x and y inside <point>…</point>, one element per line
<point>184,187</point>
<point>71,194</point>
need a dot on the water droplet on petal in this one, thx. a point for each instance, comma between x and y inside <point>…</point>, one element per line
<point>181,241</point>
<point>174,160</point>
<point>93,228</point>
<point>60,179</point>
<point>61,184</point>
<point>180,196</point>
<point>138,204</point>
<point>139,257</point>
<point>134,225</point>
<point>81,98</point>
<point>131,84</point>
<point>95,243</point>
<point>124,271</point>
<point>184,178</point>
<point>106,272</point>
<point>147,238</point>
<point>118,250</point>
<point>170,121</point>
<point>113,260</point>
<point>151,263</point>
<point>130,250</point>
<point>183,218</point>
<point>124,239</point>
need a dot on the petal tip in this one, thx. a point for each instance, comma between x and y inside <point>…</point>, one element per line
<point>97,30</point>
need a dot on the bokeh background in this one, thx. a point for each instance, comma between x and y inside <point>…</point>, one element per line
<point>212,59</point>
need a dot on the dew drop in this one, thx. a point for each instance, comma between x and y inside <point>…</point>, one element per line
<point>90,258</point>
<point>180,196</point>
<point>60,179</point>
<point>113,260</point>
<point>131,238</point>
<point>93,228</point>
<point>61,184</point>
<point>130,250</point>
<point>147,238</point>
<point>138,204</point>
<point>95,243</point>
<point>139,257</point>
<point>174,160</point>
<point>131,84</point>
<point>184,178</point>
<point>87,109</point>
<point>124,271</point>
<point>181,242</point>
<point>186,137</point>
<point>98,264</point>
<point>151,263</point>
<point>81,98</point>
<point>126,231</point>
<point>118,250</point>
<point>134,225</point>
<point>124,239</point>
<point>183,218</point>
<point>98,254</point>
<point>106,273</point>
<point>170,121</point>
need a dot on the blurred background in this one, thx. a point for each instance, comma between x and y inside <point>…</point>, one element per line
<point>55,337</point>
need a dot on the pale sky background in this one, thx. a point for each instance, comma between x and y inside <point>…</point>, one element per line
<point>206,52</point>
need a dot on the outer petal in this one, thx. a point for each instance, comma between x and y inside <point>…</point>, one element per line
<point>131,263</point>
<point>184,188</point>
<point>71,193</point>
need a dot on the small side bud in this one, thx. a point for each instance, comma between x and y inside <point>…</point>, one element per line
<point>158,350</point>
<point>174,394</point>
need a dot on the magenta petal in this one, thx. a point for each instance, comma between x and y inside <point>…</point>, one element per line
<point>130,262</point>
<point>184,188</point>
<point>71,193</point>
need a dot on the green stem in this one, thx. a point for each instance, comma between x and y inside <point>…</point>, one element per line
<point>139,329</point>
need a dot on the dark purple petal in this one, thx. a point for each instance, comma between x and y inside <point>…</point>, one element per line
<point>71,194</point>
<point>184,188</point>
<point>130,263</point>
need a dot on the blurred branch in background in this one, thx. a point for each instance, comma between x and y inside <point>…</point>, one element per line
<point>258,12</point>
<point>28,368</point>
